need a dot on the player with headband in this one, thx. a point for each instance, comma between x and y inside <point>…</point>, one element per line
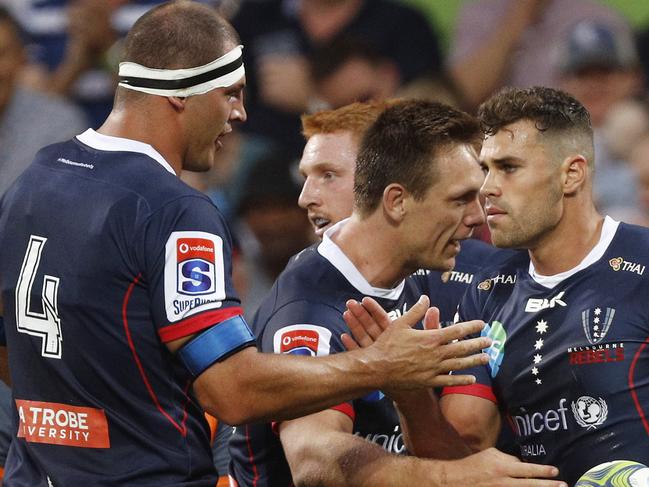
<point>122,321</point>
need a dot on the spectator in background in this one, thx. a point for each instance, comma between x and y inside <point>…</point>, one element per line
<point>514,42</point>
<point>280,36</point>
<point>73,49</point>
<point>599,67</point>
<point>350,70</point>
<point>639,160</point>
<point>272,227</point>
<point>28,120</point>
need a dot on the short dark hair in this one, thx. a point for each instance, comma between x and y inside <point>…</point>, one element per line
<point>401,146</point>
<point>329,58</point>
<point>551,110</point>
<point>178,34</point>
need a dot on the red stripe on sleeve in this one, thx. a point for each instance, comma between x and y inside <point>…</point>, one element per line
<point>478,390</point>
<point>194,324</point>
<point>346,408</point>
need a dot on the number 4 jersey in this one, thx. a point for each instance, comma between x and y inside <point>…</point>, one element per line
<point>106,256</point>
<point>569,364</point>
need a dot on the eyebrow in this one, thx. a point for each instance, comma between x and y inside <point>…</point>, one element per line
<point>503,160</point>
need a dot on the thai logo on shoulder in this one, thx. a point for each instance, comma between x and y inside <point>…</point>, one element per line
<point>590,412</point>
<point>619,264</point>
<point>597,323</point>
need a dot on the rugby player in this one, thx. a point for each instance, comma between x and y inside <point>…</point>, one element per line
<point>122,322</point>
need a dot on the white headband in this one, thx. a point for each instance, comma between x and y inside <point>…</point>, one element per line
<point>220,73</point>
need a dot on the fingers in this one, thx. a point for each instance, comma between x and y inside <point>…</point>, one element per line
<point>453,380</point>
<point>349,342</point>
<point>459,330</point>
<point>415,314</point>
<point>356,327</point>
<point>462,363</point>
<point>463,348</point>
<point>431,319</point>
<point>534,471</point>
<point>375,316</point>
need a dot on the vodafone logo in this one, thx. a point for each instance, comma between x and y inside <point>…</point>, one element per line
<point>304,339</point>
<point>300,342</point>
<point>183,248</point>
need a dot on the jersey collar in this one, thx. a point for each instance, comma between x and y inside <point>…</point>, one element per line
<point>108,143</point>
<point>609,228</point>
<point>334,254</point>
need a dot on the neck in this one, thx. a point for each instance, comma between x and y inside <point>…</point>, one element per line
<point>149,125</point>
<point>374,257</point>
<point>569,242</point>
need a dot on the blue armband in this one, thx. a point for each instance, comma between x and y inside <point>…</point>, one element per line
<point>215,344</point>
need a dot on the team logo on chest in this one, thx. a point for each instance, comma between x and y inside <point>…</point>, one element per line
<point>596,323</point>
<point>196,266</point>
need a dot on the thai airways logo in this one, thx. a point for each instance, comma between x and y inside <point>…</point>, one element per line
<point>589,412</point>
<point>196,266</point>
<point>619,264</point>
<point>309,340</point>
<point>496,351</point>
<point>537,304</point>
<point>596,323</point>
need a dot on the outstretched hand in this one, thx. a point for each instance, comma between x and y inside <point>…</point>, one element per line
<point>418,358</point>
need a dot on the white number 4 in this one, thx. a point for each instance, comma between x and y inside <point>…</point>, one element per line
<point>45,324</point>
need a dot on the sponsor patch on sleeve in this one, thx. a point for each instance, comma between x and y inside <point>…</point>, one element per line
<point>194,274</point>
<point>302,340</point>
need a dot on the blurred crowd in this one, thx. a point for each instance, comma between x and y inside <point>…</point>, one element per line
<point>58,61</point>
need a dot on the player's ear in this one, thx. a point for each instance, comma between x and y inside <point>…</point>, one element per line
<point>177,102</point>
<point>394,201</point>
<point>574,173</point>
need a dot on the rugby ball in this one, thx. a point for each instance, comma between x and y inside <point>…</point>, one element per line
<point>618,473</point>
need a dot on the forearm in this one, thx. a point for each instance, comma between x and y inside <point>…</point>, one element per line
<point>277,387</point>
<point>342,459</point>
<point>426,432</point>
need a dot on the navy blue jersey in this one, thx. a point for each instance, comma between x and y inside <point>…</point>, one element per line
<point>303,315</point>
<point>569,366</point>
<point>446,289</point>
<point>106,256</point>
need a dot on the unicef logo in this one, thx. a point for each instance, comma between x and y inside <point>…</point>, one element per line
<point>590,412</point>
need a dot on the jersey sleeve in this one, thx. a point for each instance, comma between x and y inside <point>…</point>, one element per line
<point>309,329</point>
<point>187,259</point>
<point>470,309</point>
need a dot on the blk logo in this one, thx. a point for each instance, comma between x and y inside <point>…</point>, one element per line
<point>537,304</point>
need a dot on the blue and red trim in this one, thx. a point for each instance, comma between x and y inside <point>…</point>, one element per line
<point>194,324</point>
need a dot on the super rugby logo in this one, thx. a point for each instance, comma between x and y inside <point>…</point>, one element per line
<point>302,340</point>
<point>194,274</point>
<point>195,264</point>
